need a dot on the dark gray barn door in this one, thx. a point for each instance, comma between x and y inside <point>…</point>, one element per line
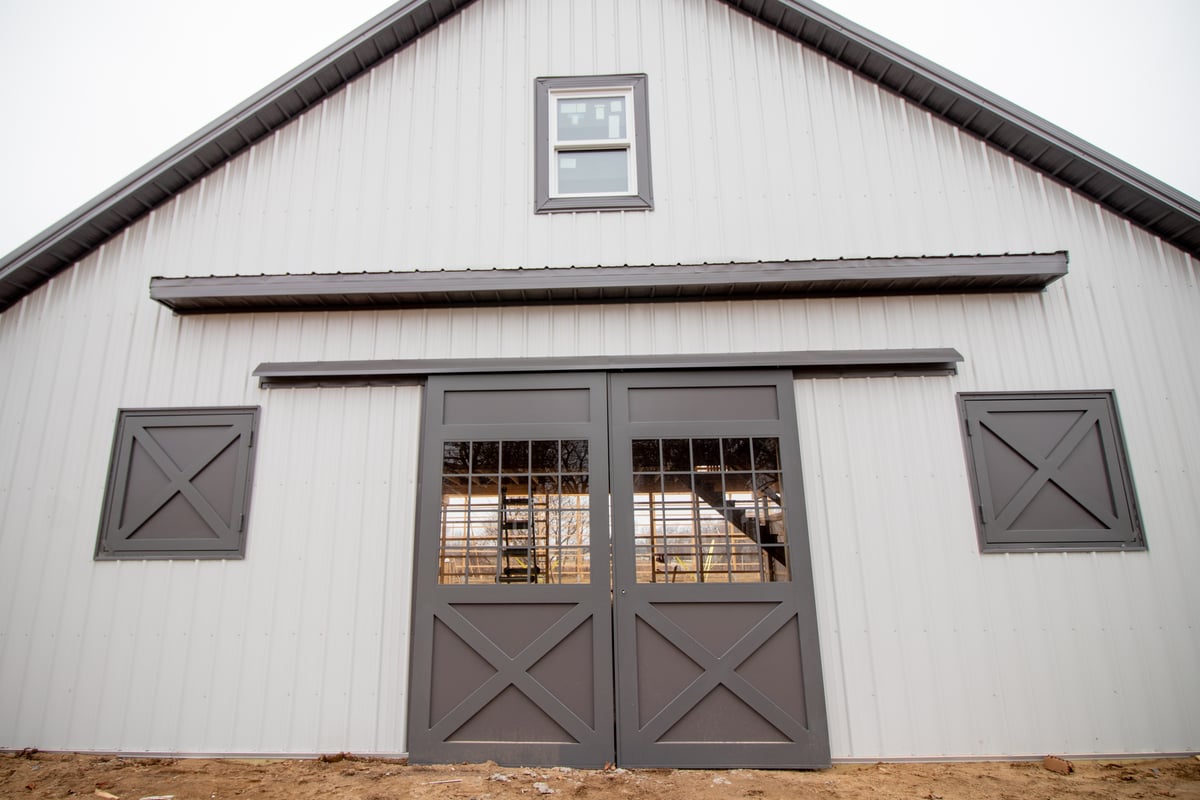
<point>716,635</point>
<point>512,633</point>
<point>715,638</point>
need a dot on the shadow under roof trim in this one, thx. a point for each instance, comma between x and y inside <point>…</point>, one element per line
<point>572,285</point>
<point>803,363</point>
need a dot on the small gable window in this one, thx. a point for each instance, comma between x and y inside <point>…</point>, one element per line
<point>593,144</point>
<point>1049,472</point>
<point>178,484</point>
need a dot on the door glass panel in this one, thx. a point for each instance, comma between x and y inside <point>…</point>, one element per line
<point>514,457</point>
<point>485,457</point>
<point>766,454</point>
<point>676,453</point>
<point>737,453</point>
<point>708,510</point>
<point>544,457</point>
<point>574,456</point>
<point>706,455</point>
<point>456,458</point>
<point>645,456</point>
<point>515,511</point>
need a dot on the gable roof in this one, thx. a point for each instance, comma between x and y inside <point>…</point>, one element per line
<point>1065,158</point>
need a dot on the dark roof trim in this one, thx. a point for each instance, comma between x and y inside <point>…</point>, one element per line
<point>86,228</point>
<point>1067,159</point>
<point>427,289</point>
<point>806,363</point>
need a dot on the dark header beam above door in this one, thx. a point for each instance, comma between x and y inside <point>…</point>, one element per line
<point>804,363</point>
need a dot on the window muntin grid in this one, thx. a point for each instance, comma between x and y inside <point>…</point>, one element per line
<point>709,510</point>
<point>515,511</point>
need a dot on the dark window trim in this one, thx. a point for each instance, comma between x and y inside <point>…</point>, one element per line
<point>1131,537</point>
<point>627,284</point>
<point>543,202</point>
<point>115,488</point>
<point>803,363</point>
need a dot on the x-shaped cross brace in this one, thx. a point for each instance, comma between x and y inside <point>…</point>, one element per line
<point>1049,468</point>
<point>179,482</point>
<point>512,671</point>
<point>719,669</point>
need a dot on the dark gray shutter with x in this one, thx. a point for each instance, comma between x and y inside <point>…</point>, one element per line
<point>178,484</point>
<point>1050,472</point>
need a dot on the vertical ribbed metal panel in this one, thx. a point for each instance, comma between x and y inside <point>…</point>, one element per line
<point>299,648</point>
<point>762,150</point>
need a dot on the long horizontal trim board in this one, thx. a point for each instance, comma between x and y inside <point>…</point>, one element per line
<point>473,287</point>
<point>805,363</point>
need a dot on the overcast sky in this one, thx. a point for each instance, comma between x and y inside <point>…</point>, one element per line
<point>94,89</point>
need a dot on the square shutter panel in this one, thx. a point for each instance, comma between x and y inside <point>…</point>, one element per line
<point>1049,472</point>
<point>179,484</point>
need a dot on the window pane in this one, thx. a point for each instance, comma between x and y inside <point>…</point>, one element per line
<point>706,455</point>
<point>456,458</point>
<point>574,455</point>
<point>593,171</point>
<point>766,454</point>
<point>645,455</point>
<point>485,457</point>
<point>545,457</point>
<point>515,485</point>
<point>576,485</point>
<point>737,454</point>
<point>677,455</point>
<point>591,118</point>
<point>514,456</point>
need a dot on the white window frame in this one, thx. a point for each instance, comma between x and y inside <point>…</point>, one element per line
<point>557,146</point>
<point>636,143</point>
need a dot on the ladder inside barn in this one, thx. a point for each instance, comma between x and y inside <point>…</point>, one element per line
<point>518,562</point>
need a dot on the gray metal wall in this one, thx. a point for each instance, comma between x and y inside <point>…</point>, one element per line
<point>761,151</point>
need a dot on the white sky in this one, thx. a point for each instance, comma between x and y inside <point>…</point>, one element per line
<point>94,89</point>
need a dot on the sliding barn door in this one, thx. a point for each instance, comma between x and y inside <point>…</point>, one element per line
<point>512,643</point>
<point>716,634</point>
<point>708,578</point>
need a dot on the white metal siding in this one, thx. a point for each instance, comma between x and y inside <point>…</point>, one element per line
<point>761,150</point>
<point>300,648</point>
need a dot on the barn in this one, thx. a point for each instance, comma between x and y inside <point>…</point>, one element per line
<point>674,383</point>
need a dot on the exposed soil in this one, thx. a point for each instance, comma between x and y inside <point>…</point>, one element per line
<point>59,775</point>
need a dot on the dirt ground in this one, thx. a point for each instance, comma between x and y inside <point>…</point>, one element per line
<point>38,775</point>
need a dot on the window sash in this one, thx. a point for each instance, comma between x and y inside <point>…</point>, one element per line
<point>625,143</point>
